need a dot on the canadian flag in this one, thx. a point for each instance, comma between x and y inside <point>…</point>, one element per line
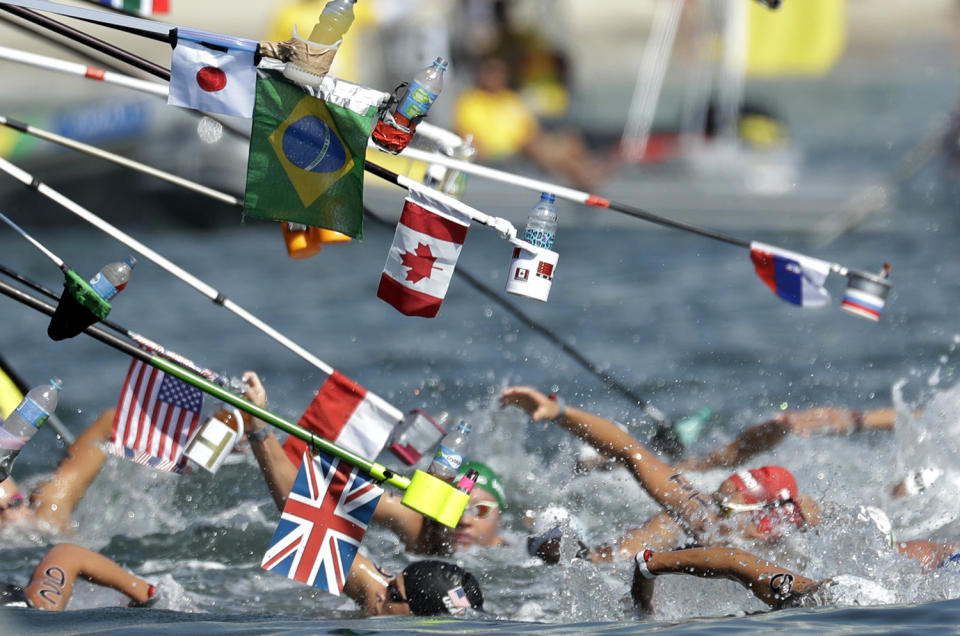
<point>423,256</point>
<point>347,414</point>
<point>215,80</point>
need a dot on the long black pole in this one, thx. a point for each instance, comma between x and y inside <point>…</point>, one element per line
<point>93,42</point>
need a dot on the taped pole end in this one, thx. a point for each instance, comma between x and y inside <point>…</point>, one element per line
<point>79,307</point>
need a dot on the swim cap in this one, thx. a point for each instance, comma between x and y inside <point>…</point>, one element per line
<point>766,484</point>
<point>437,587</point>
<point>770,485</point>
<point>487,480</point>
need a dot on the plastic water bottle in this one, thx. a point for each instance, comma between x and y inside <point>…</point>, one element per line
<point>113,278</point>
<point>26,419</point>
<point>395,130</point>
<point>214,440</point>
<point>334,21</point>
<point>451,454</point>
<point>542,222</point>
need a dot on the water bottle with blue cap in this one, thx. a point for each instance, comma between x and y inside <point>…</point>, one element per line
<point>26,419</point>
<point>542,222</point>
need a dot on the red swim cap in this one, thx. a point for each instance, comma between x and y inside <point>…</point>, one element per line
<point>773,485</point>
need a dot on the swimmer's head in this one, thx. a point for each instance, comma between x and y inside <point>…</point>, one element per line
<point>771,492</point>
<point>487,481</point>
<point>437,587</point>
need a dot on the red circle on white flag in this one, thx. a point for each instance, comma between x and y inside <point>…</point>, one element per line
<point>211,79</point>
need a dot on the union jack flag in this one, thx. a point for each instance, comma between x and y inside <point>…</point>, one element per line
<point>322,524</point>
<point>156,415</point>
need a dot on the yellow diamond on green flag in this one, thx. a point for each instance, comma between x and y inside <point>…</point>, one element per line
<point>310,149</point>
<point>306,158</point>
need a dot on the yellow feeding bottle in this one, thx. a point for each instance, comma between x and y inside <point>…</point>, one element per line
<point>333,22</point>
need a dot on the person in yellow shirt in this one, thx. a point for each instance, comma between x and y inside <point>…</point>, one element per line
<point>503,126</point>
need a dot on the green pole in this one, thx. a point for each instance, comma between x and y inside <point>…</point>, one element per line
<point>378,471</point>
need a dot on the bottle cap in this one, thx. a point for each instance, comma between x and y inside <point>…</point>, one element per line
<point>131,261</point>
<point>548,196</point>
<point>463,425</point>
<point>57,383</point>
<point>442,63</point>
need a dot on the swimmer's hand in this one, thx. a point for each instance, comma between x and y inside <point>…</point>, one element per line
<point>538,405</point>
<point>258,395</point>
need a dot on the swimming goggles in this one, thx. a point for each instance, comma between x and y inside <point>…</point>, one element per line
<point>481,509</point>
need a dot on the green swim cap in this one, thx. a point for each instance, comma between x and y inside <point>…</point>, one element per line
<point>487,480</point>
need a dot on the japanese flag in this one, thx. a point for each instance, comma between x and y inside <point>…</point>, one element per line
<point>213,80</point>
<point>422,257</point>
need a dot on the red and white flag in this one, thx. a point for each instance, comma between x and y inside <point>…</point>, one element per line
<point>423,255</point>
<point>215,80</point>
<point>347,414</point>
<point>156,415</point>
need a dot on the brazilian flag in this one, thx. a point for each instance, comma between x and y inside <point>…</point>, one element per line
<point>306,158</point>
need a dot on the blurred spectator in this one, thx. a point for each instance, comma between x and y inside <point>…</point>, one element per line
<point>504,126</point>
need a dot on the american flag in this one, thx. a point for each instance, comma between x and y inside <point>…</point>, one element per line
<point>322,524</point>
<point>156,415</point>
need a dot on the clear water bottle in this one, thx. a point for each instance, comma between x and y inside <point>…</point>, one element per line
<point>542,222</point>
<point>334,21</point>
<point>25,420</point>
<point>113,278</point>
<point>451,453</point>
<point>395,130</point>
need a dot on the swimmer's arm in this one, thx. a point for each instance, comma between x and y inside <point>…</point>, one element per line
<point>365,583</point>
<point>407,524</point>
<point>769,582</point>
<point>684,502</point>
<point>51,584</point>
<point>278,471</point>
<point>756,439</point>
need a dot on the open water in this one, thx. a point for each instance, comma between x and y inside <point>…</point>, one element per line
<point>681,319</point>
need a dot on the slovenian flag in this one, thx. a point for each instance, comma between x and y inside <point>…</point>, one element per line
<point>213,73</point>
<point>423,255</point>
<point>347,414</point>
<point>794,277</point>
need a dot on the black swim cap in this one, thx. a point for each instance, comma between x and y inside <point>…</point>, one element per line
<point>12,596</point>
<point>437,587</point>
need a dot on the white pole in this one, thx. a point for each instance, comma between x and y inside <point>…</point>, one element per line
<point>205,289</point>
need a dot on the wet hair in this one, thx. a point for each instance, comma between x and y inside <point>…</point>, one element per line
<point>12,596</point>
<point>436,587</point>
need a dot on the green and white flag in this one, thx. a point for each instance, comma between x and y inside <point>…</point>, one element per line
<point>145,8</point>
<point>306,154</point>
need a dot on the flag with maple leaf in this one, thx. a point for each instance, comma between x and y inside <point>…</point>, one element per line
<point>423,256</point>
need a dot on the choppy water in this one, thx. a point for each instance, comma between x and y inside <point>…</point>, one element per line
<point>681,319</point>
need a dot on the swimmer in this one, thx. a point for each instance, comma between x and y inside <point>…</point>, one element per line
<point>479,525</point>
<point>424,588</point>
<point>51,584</point>
<point>776,586</point>
<point>757,504</point>
<point>50,505</point>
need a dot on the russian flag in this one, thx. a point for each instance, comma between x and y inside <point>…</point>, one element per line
<point>793,277</point>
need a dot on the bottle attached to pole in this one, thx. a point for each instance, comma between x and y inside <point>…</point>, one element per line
<point>113,278</point>
<point>311,58</point>
<point>417,434</point>
<point>534,261</point>
<point>395,130</point>
<point>214,440</point>
<point>25,421</point>
<point>84,303</point>
<point>541,230</point>
<point>451,453</point>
